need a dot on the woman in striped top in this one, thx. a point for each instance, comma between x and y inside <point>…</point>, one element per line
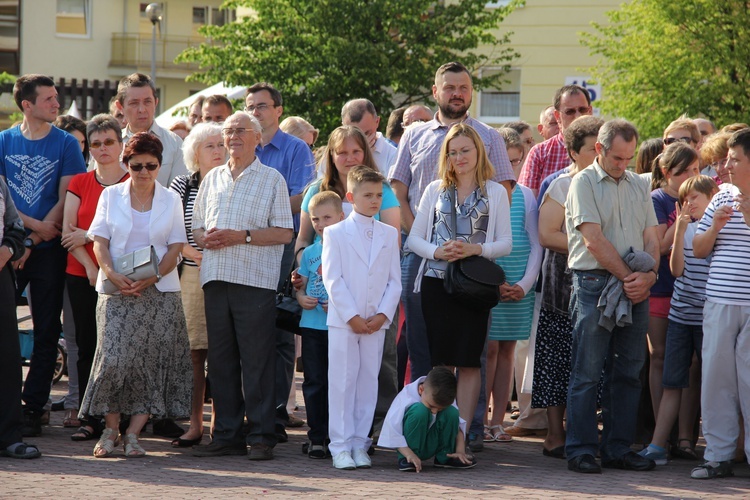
<point>202,150</point>
<point>511,318</point>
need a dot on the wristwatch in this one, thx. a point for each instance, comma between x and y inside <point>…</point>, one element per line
<point>655,272</point>
<point>248,238</point>
<point>158,277</point>
<point>29,243</point>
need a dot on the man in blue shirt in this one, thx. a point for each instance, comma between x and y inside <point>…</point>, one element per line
<point>37,160</point>
<point>292,158</point>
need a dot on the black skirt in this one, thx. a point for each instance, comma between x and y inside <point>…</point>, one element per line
<point>456,333</point>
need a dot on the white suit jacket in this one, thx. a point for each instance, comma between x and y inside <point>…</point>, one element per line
<point>356,284</point>
<point>114,221</point>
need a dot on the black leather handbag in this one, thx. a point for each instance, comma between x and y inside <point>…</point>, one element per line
<point>288,310</point>
<point>473,281</point>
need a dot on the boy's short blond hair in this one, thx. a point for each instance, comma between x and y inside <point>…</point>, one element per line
<point>326,198</point>
<point>362,174</point>
<point>701,184</point>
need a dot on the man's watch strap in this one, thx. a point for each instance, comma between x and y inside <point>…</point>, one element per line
<point>248,238</point>
<point>655,272</point>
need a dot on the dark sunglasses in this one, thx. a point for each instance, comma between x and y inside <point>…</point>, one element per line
<point>584,110</point>
<point>137,167</point>
<point>107,142</point>
<point>672,140</point>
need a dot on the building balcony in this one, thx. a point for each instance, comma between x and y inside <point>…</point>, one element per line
<point>132,51</point>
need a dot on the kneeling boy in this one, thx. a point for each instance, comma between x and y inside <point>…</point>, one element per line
<point>423,422</point>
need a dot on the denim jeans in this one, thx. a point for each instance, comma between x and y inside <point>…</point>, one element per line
<point>416,331</point>
<point>624,351</point>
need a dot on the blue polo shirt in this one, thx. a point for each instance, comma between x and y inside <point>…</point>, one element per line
<point>292,158</point>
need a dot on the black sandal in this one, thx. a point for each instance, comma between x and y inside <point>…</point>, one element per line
<point>87,435</point>
<point>21,450</point>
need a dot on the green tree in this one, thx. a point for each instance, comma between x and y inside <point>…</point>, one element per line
<point>662,59</point>
<point>321,53</point>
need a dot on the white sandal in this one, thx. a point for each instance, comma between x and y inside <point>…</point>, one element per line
<point>132,448</point>
<point>107,443</point>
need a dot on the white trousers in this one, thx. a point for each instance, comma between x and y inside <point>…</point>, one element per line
<point>725,389</point>
<point>353,366</point>
<point>530,418</point>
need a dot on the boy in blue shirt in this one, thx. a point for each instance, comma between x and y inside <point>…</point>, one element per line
<point>325,210</point>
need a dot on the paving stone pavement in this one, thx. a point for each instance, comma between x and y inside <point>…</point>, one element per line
<point>513,470</point>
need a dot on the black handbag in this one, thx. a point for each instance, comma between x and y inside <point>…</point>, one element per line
<point>473,281</point>
<point>288,310</point>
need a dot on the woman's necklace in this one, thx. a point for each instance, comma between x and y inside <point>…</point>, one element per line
<point>143,205</point>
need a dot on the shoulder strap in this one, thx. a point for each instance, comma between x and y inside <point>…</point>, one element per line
<point>453,201</point>
<point>190,183</point>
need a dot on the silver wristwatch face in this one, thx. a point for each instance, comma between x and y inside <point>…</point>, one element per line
<point>248,238</point>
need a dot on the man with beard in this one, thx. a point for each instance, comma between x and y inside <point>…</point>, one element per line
<point>416,166</point>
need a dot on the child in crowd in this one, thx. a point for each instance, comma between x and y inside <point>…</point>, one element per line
<point>511,318</point>
<point>685,329</point>
<point>325,210</point>
<point>362,274</point>
<point>423,422</point>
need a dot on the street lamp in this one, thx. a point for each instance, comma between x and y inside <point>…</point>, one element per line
<point>153,13</point>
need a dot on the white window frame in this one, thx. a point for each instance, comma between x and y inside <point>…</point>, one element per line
<point>492,118</point>
<point>88,5</point>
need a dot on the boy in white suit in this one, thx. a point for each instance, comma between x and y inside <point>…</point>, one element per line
<point>362,274</point>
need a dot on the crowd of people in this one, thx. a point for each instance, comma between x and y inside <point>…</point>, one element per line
<point>620,287</point>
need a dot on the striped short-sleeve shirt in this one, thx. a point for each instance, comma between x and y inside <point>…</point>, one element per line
<point>729,272</point>
<point>689,292</point>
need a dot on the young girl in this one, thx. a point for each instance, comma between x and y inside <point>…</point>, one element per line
<point>678,162</point>
<point>685,330</point>
<point>511,318</point>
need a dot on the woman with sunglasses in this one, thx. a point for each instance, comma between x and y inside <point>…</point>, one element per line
<point>105,143</point>
<point>142,363</point>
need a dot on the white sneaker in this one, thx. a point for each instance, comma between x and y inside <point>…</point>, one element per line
<point>362,459</point>
<point>344,461</point>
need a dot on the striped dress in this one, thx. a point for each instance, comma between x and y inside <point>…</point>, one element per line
<point>512,320</point>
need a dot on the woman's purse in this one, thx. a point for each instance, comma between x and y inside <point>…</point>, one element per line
<point>138,265</point>
<point>473,281</point>
<point>288,310</point>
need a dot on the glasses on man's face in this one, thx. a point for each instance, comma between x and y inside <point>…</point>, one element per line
<point>672,140</point>
<point>461,152</point>
<point>229,132</point>
<point>583,110</point>
<point>137,167</point>
<point>260,107</point>
<point>106,142</point>
<point>515,163</point>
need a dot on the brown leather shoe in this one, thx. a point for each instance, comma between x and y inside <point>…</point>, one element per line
<point>516,431</point>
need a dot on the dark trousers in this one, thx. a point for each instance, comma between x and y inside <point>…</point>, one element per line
<point>315,384</point>
<point>10,363</point>
<point>285,352</point>
<point>241,360</point>
<point>44,271</point>
<point>83,298</point>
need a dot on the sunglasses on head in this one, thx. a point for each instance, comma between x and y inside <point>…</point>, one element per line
<point>672,140</point>
<point>137,167</point>
<point>105,142</point>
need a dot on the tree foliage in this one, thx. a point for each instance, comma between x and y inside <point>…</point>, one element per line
<point>662,59</point>
<point>321,53</point>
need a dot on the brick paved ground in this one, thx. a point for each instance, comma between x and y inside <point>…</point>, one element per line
<point>516,469</point>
